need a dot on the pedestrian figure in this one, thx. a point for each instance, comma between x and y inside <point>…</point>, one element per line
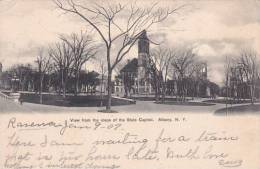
<point>20,101</point>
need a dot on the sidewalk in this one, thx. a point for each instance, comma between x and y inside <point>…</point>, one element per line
<point>11,106</point>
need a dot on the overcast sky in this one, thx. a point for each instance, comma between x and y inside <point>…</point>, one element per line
<point>214,28</point>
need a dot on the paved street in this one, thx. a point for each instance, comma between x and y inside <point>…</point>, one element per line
<point>10,106</point>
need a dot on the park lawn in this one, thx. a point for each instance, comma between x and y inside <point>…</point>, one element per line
<point>224,101</point>
<point>249,108</point>
<point>73,101</point>
<point>188,103</point>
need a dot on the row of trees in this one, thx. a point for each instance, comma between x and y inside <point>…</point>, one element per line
<point>182,66</point>
<point>242,76</point>
<point>176,72</point>
<point>25,77</point>
<point>117,25</point>
<point>68,57</point>
<point>60,64</point>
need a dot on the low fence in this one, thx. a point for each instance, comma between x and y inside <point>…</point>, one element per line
<point>5,96</point>
<point>74,101</point>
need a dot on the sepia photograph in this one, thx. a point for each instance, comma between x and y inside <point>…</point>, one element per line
<point>129,84</point>
<point>130,56</point>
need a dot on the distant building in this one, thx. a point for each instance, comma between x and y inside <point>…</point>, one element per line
<point>1,67</point>
<point>140,76</point>
<point>143,74</point>
<point>1,71</point>
<point>102,85</point>
<point>196,86</point>
<point>238,85</point>
<point>126,82</point>
<point>134,77</point>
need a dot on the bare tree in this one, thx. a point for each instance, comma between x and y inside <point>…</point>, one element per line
<point>22,73</point>
<point>63,59</point>
<point>126,77</point>
<point>102,70</point>
<point>43,65</point>
<point>162,57</point>
<point>198,74</point>
<point>249,64</point>
<point>184,65</point>
<point>82,50</point>
<point>227,72</point>
<point>116,25</point>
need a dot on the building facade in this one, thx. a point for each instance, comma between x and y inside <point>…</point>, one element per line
<point>140,76</point>
<point>134,77</point>
<point>1,72</point>
<point>144,85</point>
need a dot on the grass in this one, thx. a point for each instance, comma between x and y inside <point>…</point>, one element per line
<point>186,103</point>
<point>152,98</point>
<point>249,108</point>
<point>224,101</point>
<point>107,111</point>
<point>73,101</point>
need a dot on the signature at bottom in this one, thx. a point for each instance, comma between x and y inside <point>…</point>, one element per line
<point>230,163</point>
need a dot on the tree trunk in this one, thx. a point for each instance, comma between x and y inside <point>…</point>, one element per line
<point>163,92</point>
<point>64,90</point>
<point>109,88</point>
<point>252,93</point>
<point>60,84</point>
<point>77,84</point>
<point>126,91</point>
<point>41,86</point>
<point>101,89</point>
<point>63,85</point>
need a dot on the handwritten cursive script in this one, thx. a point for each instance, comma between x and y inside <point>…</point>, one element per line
<point>106,144</point>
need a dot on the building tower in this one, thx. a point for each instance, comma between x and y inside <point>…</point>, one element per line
<point>1,69</point>
<point>204,71</point>
<point>143,54</point>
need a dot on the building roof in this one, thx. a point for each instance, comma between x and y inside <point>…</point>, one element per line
<point>131,66</point>
<point>143,35</point>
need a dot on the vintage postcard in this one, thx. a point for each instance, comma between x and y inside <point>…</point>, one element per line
<point>126,84</point>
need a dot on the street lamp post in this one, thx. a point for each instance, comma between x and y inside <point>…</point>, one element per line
<point>15,87</point>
